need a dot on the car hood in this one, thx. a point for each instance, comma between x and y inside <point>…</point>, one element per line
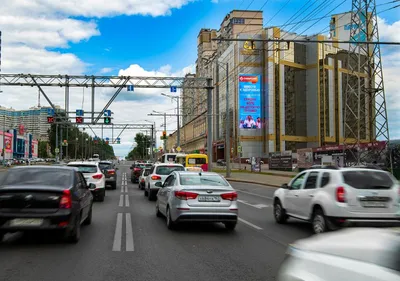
<point>363,244</point>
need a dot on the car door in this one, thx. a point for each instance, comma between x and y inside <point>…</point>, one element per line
<point>85,195</point>
<point>163,193</point>
<point>303,202</point>
<point>292,193</point>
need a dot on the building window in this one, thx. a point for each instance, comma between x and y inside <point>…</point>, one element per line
<point>237,21</point>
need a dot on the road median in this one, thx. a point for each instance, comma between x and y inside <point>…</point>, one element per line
<point>264,179</point>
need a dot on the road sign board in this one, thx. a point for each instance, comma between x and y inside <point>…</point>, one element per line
<point>107,113</point>
<point>57,150</point>
<point>239,149</point>
<point>178,149</point>
<point>107,139</point>
<point>79,112</point>
<point>130,88</point>
<point>50,112</point>
<point>173,89</point>
<point>118,139</point>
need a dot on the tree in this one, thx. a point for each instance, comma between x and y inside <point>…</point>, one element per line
<point>141,150</point>
<point>42,149</point>
<point>77,142</point>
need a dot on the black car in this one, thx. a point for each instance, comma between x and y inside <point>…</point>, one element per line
<point>51,198</point>
<point>110,172</point>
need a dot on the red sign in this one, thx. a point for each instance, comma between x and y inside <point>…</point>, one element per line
<point>79,120</point>
<point>21,129</point>
<point>252,79</point>
<point>50,119</point>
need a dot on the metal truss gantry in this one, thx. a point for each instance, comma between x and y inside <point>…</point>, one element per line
<point>365,114</point>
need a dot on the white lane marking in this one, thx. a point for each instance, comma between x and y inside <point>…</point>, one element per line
<point>126,200</point>
<point>129,233</point>
<point>126,188</point>
<point>121,201</point>
<point>122,188</point>
<point>118,234</point>
<point>250,224</point>
<point>258,206</point>
<point>255,194</point>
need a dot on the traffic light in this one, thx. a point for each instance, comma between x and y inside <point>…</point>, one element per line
<point>107,120</point>
<point>79,120</point>
<point>50,119</point>
<point>164,134</point>
<point>118,142</point>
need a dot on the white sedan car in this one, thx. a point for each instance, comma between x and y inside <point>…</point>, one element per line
<point>93,174</point>
<point>363,254</point>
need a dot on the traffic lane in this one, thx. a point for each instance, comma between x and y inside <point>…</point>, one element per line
<point>206,250</point>
<point>45,257</point>
<point>266,192</point>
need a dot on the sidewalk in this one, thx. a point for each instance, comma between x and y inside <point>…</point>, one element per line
<point>270,179</point>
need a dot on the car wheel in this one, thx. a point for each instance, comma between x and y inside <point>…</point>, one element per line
<point>1,236</point>
<point>132,180</point>
<point>74,234</point>
<point>88,220</point>
<point>114,185</point>
<point>158,213</point>
<point>170,223</point>
<point>139,186</point>
<point>319,222</point>
<point>279,212</point>
<point>230,225</point>
<point>150,196</point>
<point>146,193</point>
<point>101,197</point>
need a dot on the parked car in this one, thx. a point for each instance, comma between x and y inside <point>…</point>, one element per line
<point>92,173</point>
<point>333,197</point>
<point>158,173</point>
<point>110,172</point>
<point>45,198</point>
<point>142,178</point>
<point>221,162</point>
<point>359,254</point>
<point>199,197</point>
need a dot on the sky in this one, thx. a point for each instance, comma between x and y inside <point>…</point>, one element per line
<point>145,38</point>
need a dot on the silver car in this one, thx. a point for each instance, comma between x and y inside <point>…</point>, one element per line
<point>158,173</point>
<point>199,197</point>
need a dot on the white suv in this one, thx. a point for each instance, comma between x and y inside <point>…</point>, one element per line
<point>93,174</point>
<point>330,198</point>
<point>159,173</point>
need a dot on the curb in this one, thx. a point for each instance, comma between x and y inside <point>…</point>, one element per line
<point>253,182</point>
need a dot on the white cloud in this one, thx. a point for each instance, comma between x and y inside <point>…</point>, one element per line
<point>106,70</point>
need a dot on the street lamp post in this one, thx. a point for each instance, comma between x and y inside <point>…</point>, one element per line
<point>178,132</point>
<point>4,140</point>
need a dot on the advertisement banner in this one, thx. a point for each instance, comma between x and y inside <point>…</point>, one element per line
<point>250,101</point>
<point>8,143</point>
<point>35,147</point>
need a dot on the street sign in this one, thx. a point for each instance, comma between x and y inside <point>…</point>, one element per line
<point>57,150</point>
<point>107,139</point>
<point>107,113</point>
<point>239,149</point>
<point>79,120</point>
<point>50,119</point>
<point>130,88</point>
<point>79,112</point>
<point>179,149</point>
<point>107,120</point>
<point>118,139</point>
<point>50,112</point>
<point>173,89</point>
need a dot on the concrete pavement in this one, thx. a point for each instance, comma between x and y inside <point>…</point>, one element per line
<point>126,241</point>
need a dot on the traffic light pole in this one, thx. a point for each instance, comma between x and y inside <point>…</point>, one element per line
<point>165,130</point>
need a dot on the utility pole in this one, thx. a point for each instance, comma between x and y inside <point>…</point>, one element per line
<point>178,137</point>
<point>4,140</point>
<point>165,130</point>
<point>83,136</point>
<point>57,154</point>
<point>62,142</point>
<point>209,123</point>
<point>152,142</point>
<point>227,127</point>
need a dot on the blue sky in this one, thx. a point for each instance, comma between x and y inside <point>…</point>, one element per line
<point>93,37</point>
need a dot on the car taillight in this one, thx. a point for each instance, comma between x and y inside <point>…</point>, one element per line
<point>341,194</point>
<point>136,169</point>
<point>231,196</point>
<point>111,172</point>
<point>142,180</point>
<point>66,200</point>
<point>97,176</point>
<point>155,178</point>
<point>184,195</point>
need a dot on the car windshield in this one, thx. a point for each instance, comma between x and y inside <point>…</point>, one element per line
<point>146,172</point>
<point>166,170</point>
<point>48,177</point>
<point>197,179</point>
<point>368,179</point>
<point>105,166</point>
<point>85,168</point>
<point>197,161</point>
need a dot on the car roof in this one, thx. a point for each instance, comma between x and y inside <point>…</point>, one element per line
<point>197,173</point>
<point>105,162</point>
<point>58,167</point>
<point>361,244</point>
<point>83,163</point>
<point>168,164</point>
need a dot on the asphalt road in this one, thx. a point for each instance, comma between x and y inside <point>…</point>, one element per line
<point>126,241</point>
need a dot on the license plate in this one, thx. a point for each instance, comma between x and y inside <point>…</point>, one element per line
<point>26,222</point>
<point>209,199</point>
<point>374,204</point>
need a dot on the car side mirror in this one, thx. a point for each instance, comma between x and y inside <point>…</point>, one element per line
<point>285,186</point>
<point>158,184</point>
<point>130,168</point>
<point>116,169</point>
<point>91,186</point>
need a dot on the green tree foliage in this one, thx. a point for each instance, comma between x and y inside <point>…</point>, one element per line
<point>77,142</point>
<point>141,150</point>
<point>42,149</point>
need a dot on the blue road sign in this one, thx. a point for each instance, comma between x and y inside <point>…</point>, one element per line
<point>107,139</point>
<point>130,88</point>
<point>173,89</point>
<point>79,112</point>
<point>50,112</point>
<point>107,113</point>
<point>118,138</point>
